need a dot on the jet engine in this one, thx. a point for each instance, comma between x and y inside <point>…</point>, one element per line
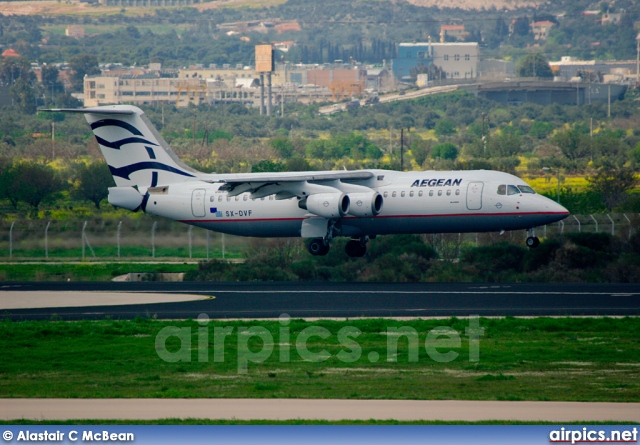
<point>327,205</point>
<point>365,204</point>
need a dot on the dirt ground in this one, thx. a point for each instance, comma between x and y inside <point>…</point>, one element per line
<point>47,7</point>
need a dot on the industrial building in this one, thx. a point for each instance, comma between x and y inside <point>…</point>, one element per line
<point>456,60</point>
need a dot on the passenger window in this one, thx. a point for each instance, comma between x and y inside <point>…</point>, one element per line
<point>502,189</point>
<point>271,198</point>
<point>385,194</point>
<point>402,194</point>
<point>245,197</point>
<point>393,195</point>
<point>420,193</point>
<point>439,192</point>
<point>220,198</point>
<point>237,198</point>
<point>430,192</point>
<point>211,198</point>
<point>448,192</point>
<point>411,193</point>
<point>457,192</point>
<point>512,190</point>
<point>228,198</point>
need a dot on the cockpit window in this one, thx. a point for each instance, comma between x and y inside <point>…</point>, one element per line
<point>525,189</point>
<point>512,190</point>
<point>502,189</point>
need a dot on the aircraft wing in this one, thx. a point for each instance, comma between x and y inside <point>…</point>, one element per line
<point>287,185</point>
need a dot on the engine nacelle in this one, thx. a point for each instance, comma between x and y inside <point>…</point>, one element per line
<point>327,205</point>
<point>365,204</point>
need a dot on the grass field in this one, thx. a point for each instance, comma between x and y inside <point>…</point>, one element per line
<point>590,359</point>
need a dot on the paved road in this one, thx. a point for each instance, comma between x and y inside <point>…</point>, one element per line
<point>286,409</point>
<point>270,300</point>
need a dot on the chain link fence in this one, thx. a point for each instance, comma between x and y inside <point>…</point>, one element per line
<point>148,239</point>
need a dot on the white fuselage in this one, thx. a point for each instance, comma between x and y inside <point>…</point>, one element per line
<point>414,202</point>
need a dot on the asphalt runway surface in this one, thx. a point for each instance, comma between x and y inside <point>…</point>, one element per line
<point>336,300</point>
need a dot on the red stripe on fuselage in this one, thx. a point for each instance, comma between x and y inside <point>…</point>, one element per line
<point>448,215</point>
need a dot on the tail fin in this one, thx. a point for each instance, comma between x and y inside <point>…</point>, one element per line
<point>135,151</point>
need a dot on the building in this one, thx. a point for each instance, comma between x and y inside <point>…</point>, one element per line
<point>571,67</point>
<point>541,29</point>
<point>452,32</point>
<point>456,60</point>
<point>610,18</point>
<point>75,31</point>
<point>10,53</point>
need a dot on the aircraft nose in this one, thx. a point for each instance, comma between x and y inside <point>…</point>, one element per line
<point>556,208</point>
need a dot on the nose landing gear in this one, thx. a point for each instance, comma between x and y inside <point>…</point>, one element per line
<point>532,240</point>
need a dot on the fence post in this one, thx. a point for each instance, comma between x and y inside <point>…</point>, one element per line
<point>84,226</point>
<point>595,221</point>
<point>579,225</point>
<point>46,240</point>
<point>207,244</point>
<point>545,230</point>
<point>629,221</point>
<point>190,243</point>
<point>11,240</point>
<point>562,227</point>
<point>613,226</point>
<point>118,236</point>
<point>153,239</point>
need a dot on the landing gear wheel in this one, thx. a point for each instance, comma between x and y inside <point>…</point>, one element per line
<point>318,247</point>
<point>533,242</point>
<point>355,248</point>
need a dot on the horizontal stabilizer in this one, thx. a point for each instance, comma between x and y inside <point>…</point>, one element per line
<point>101,110</point>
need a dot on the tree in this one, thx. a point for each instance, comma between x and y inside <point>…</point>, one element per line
<point>420,150</point>
<point>31,183</point>
<point>445,127</point>
<point>504,145</point>
<point>521,26</point>
<point>95,180</point>
<point>612,184</point>
<point>81,65</point>
<point>52,86</point>
<point>13,69</point>
<point>573,144</point>
<point>283,146</point>
<point>444,151</point>
<point>534,65</point>
<point>23,95</point>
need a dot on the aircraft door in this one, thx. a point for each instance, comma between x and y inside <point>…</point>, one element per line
<point>197,203</point>
<point>474,195</point>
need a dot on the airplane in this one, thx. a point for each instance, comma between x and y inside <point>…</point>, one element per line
<point>317,205</point>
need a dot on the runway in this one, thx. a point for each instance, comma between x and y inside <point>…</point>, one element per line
<point>321,300</point>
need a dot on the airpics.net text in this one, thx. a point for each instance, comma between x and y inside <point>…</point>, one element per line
<point>256,344</point>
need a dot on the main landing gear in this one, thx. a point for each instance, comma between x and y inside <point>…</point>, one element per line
<point>355,248</point>
<point>532,240</point>
<point>318,247</point>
